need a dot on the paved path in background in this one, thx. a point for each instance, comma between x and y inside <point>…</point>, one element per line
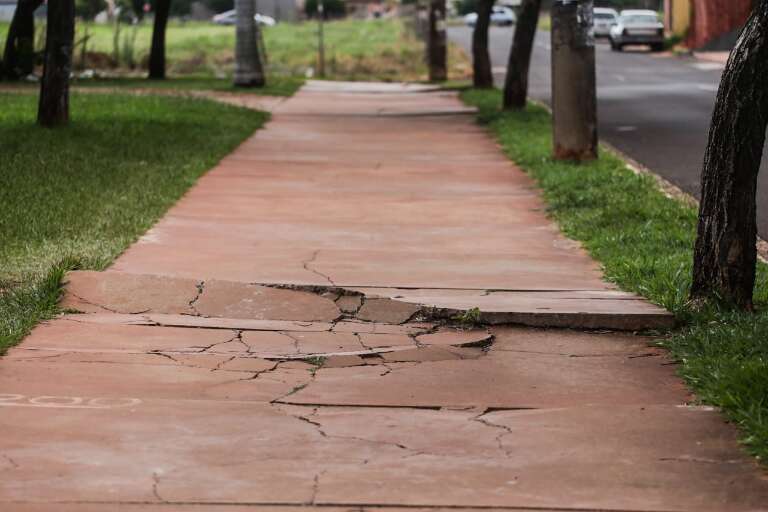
<point>282,339</point>
<point>656,109</point>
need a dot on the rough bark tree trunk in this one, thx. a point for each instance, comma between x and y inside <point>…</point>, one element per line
<point>725,254</point>
<point>19,55</point>
<point>157,51</point>
<point>437,45</point>
<point>482,74</point>
<point>574,97</point>
<point>516,82</point>
<point>53,108</point>
<point>249,71</point>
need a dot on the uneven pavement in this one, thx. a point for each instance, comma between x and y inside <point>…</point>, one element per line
<point>363,307</point>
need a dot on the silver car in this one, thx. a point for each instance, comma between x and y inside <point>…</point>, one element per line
<point>604,20</point>
<point>638,27</point>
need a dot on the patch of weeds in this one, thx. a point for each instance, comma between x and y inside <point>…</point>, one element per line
<point>469,318</point>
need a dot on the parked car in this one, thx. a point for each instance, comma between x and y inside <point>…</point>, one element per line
<point>230,18</point>
<point>604,20</point>
<point>502,16</point>
<point>638,27</point>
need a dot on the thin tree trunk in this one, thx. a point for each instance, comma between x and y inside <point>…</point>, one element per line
<point>482,74</point>
<point>53,108</point>
<point>516,83</point>
<point>725,254</point>
<point>574,98</point>
<point>19,55</point>
<point>157,52</point>
<point>249,71</point>
<point>437,45</point>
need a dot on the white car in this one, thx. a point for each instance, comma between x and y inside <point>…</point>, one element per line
<point>502,16</point>
<point>638,27</point>
<point>230,18</point>
<point>604,20</point>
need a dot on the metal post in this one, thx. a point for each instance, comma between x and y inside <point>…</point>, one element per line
<point>321,40</point>
<point>574,99</point>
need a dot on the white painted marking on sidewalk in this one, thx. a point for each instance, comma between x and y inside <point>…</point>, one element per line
<point>65,402</point>
<point>626,128</point>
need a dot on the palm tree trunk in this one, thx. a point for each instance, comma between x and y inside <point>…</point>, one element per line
<point>516,82</point>
<point>157,52</point>
<point>53,108</point>
<point>482,74</point>
<point>19,55</point>
<point>249,71</point>
<point>725,254</point>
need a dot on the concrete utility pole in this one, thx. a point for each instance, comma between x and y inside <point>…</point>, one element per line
<point>574,100</point>
<point>437,44</point>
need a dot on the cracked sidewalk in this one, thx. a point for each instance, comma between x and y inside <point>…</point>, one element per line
<point>288,337</point>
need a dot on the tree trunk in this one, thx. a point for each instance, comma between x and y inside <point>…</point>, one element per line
<point>157,52</point>
<point>725,254</point>
<point>437,45</point>
<point>249,71</point>
<point>574,97</point>
<point>19,56</point>
<point>482,74</point>
<point>53,108</point>
<point>516,83</point>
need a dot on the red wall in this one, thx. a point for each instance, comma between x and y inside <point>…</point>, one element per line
<point>713,18</point>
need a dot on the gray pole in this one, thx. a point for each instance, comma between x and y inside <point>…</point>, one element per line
<point>437,44</point>
<point>321,40</point>
<point>574,100</point>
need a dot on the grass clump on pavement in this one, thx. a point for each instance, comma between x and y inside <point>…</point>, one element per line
<point>644,241</point>
<point>79,195</point>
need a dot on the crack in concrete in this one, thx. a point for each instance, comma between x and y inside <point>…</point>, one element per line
<point>101,306</point>
<point>699,460</point>
<point>155,485</point>
<point>200,290</point>
<point>306,264</point>
<point>319,427</point>
<point>10,460</point>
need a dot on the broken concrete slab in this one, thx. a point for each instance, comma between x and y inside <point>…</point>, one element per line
<point>504,379</point>
<point>239,300</point>
<point>162,320</point>
<point>386,311</point>
<point>118,292</point>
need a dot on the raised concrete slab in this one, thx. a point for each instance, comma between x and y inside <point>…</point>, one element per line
<point>122,292</point>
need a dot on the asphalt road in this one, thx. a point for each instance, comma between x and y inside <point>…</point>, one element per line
<point>656,109</point>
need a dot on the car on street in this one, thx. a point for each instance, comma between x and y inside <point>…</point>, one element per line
<point>604,19</point>
<point>230,18</point>
<point>637,26</point>
<point>501,16</point>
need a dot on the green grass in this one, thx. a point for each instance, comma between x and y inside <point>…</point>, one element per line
<point>644,242</point>
<point>355,49</point>
<point>78,196</point>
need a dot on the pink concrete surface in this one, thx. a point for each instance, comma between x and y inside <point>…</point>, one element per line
<point>283,340</point>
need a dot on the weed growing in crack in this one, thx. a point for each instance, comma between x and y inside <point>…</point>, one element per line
<point>469,318</point>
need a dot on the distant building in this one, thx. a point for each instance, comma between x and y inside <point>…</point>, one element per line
<point>281,10</point>
<point>707,24</point>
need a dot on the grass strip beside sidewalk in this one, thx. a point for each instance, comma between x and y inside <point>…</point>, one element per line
<point>78,196</point>
<point>644,241</point>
